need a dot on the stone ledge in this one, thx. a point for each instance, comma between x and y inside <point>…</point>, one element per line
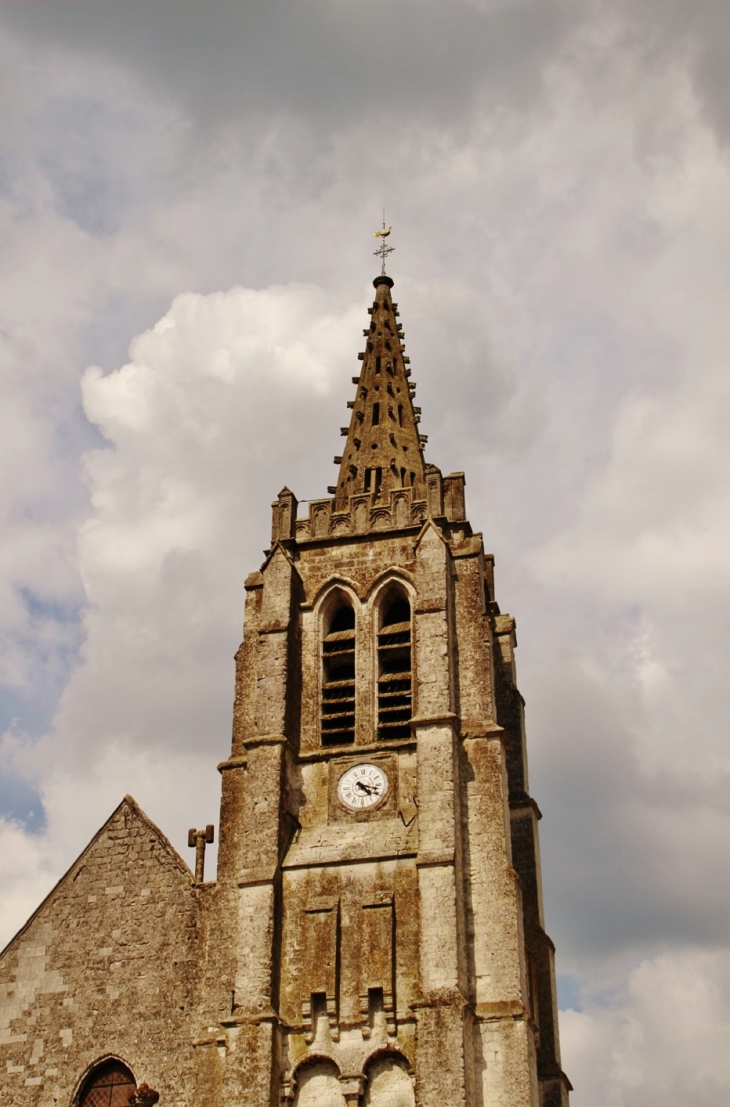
<point>359,537</point>
<point>264,740</point>
<point>274,628</point>
<point>431,857</point>
<point>470,547</point>
<point>524,802</point>
<point>251,1018</point>
<point>331,862</point>
<point>484,734</point>
<point>448,718</point>
<point>250,877</point>
<point>239,762</point>
<point>554,1076</point>
<point>500,1010</point>
<point>334,753</point>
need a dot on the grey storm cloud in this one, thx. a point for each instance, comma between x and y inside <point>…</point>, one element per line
<point>331,61</point>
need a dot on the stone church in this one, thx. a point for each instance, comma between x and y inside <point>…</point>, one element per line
<point>375,934</point>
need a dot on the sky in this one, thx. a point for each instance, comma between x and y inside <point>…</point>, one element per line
<point>188,193</point>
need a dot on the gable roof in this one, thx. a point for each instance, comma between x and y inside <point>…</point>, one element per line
<point>131,804</point>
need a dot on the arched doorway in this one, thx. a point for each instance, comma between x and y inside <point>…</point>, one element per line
<point>388,1083</point>
<point>107,1085</point>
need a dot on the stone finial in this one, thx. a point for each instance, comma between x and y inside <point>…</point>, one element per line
<point>143,1096</point>
<point>284,516</point>
<point>454,502</point>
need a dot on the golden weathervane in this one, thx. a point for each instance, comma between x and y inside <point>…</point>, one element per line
<point>383,249</point>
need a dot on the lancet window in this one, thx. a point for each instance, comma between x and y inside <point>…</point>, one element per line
<point>338,677</point>
<point>108,1085</point>
<point>394,668</point>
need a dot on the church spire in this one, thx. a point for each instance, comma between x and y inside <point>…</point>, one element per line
<point>384,449</point>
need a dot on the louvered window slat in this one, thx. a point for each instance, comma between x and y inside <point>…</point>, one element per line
<point>394,671</point>
<point>337,719</point>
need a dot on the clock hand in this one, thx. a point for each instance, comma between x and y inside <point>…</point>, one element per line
<point>366,788</point>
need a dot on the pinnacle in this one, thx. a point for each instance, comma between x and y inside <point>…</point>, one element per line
<point>384,449</point>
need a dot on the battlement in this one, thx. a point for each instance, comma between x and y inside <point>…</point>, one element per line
<point>369,511</point>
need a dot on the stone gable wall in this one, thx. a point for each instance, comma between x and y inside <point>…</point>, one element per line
<point>106,966</point>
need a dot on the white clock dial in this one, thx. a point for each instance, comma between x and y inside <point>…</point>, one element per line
<point>362,786</point>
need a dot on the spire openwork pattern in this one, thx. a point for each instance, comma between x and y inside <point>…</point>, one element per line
<point>384,450</point>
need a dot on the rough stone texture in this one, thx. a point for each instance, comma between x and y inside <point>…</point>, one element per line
<point>107,965</point>
<point>388,955</point>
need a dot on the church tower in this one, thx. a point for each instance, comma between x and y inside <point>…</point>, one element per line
<point>375,936</point>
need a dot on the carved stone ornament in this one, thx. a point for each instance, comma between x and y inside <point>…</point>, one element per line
<point>143,1096</point>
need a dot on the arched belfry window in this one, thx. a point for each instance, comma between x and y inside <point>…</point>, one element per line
<point>338,675</point>
<point>107,1085</point>
<point>394,667</point>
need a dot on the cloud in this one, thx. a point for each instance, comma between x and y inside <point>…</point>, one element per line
<point>169,542</point>
<point>666,1039</point>
<point>557,177</point>
<point>167,545</point>
<point>329,62</point>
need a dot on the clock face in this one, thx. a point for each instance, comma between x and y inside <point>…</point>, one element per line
<point>362,786</point>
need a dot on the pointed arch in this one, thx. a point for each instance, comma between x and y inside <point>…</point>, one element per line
<point>346,584</point>
<point>106,1083</point>
<point>338,620</point>
<point>385,578</point>
<point>392,607</point>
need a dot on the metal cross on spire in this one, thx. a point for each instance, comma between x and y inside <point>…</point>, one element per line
<point>383,249</point>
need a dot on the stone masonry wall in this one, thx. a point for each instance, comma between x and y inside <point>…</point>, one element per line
<point>106,966</point>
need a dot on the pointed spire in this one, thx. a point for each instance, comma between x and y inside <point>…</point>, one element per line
<point>384,449</point>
